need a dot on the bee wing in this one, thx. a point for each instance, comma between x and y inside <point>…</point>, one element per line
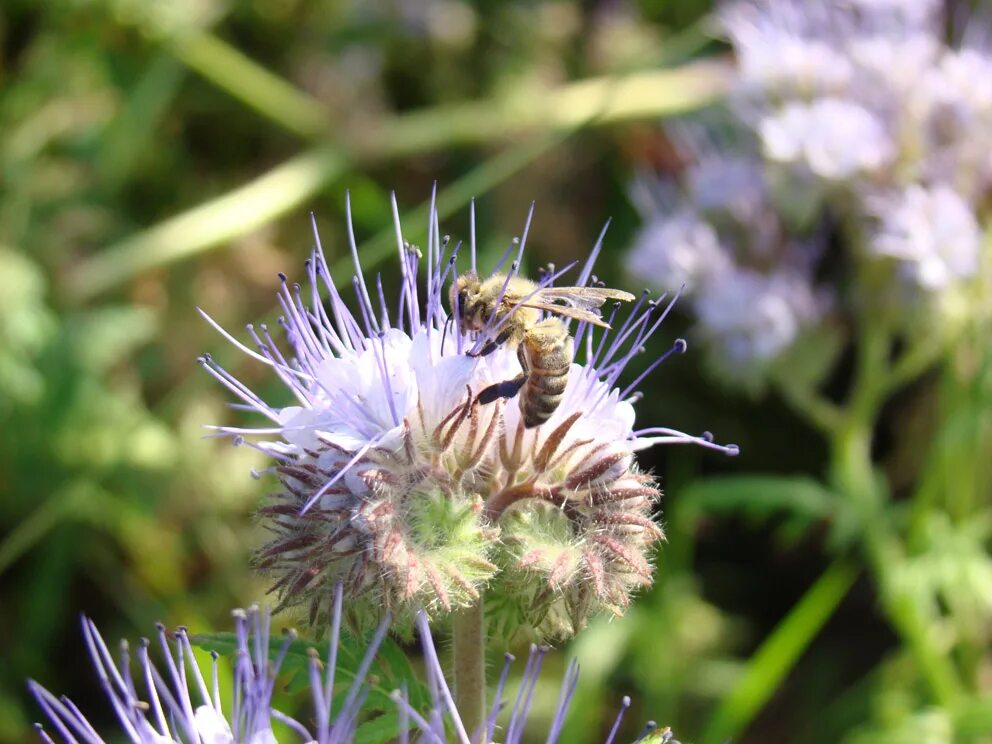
<point>567,312</point>
<point>587,298</point>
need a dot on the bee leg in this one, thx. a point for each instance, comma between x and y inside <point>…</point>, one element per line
<point>505,389</point>
<point>492,344</point>
<point>508,388</point>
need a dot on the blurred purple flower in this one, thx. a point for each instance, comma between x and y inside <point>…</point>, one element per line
<point>834,138</point>
<point>932,232</point>
<point>748,318</point>
<point>866,127</point>
<point>678,251</point>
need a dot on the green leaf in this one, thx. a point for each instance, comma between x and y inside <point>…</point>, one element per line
<point>108,335</point>
<point>380,729</point>
<point>799,502</point>
<point>812,356</point>
<point>760,495</point>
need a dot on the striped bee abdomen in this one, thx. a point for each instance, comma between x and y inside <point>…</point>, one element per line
<point>547,352</point>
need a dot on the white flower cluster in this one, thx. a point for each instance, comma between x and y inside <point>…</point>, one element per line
<point>853,126</point>
<point>881,111</point>
<point>750,285</point>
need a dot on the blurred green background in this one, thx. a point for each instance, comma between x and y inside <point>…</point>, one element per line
<point>161,156</point>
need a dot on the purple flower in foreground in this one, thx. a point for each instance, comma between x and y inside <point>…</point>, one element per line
<point>399,483</point>
<point>175,701</point>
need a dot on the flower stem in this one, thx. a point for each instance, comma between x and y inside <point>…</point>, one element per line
<point>779,652</point>
<point>854,476</point>
<point>469,652</point>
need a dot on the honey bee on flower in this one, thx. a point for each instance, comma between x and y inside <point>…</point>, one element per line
<point>407,476</point>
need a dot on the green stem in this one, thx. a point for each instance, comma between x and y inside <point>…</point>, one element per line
<point>818,411</point>
<point>780,651</point>
<point>854,476</point>
<point>469,667</point>
<point>249,82</point>
<point>593,102</point>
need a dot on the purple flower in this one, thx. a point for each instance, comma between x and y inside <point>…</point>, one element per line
<point>931,232</point>
<point>398,482</point>
<point>749,318</point>
<point>834,138</point>
<point>177,701</point>
<point>681,250</point>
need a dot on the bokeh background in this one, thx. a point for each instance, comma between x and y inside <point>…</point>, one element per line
<point>157,157</point>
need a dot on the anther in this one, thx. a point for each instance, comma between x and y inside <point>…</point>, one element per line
<point>282,277</point>
<point>680,346</point>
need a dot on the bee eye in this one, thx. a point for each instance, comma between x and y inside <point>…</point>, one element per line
<point>462,299</point>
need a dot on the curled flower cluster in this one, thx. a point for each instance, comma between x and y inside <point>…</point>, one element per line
<point>854,122</point>
<point>399,483</point>
<point>176,701</point>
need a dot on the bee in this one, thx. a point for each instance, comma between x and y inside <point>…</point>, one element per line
<point>512,308</point>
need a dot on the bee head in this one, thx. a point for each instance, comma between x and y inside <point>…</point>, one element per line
<point>461,294</point>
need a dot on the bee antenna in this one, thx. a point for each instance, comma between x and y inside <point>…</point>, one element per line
<point>444,333</point>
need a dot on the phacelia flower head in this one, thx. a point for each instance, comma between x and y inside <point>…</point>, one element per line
<point>176,700</point>
<point>399,482</point>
